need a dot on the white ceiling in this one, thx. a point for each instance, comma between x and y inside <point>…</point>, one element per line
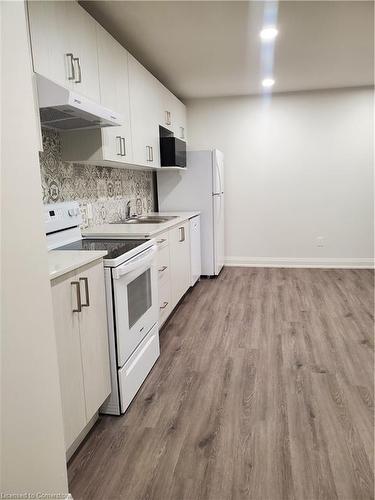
<point>201,49</point>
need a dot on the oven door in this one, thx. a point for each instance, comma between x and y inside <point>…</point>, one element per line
<point>135,302</point>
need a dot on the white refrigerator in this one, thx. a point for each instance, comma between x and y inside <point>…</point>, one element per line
<point>199,187</point>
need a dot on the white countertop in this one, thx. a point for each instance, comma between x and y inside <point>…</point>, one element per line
<point>62,261</point>
<point>138,230</point>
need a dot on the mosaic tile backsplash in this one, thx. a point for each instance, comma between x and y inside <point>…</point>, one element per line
<point>106,189</point>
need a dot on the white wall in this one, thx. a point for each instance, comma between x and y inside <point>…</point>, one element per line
<point>32,439</point>
<point>297,167</point>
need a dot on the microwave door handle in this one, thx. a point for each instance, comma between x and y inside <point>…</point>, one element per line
<point>128,267</point>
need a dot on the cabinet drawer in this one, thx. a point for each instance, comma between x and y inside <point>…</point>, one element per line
<point>162,240</point>
<point>136,369</point>
<point>165,305</point>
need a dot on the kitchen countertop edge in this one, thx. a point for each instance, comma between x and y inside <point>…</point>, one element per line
<point>135,230</point>
<point>61,262</point>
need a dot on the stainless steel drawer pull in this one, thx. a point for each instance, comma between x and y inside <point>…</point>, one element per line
<point>159,242</point>
<point>79,80</point>
<point>163,268</point>
<point>73,73</point>
<point>182,234</point>
<point>164,305</point>
<point>86,282</point>
<point>148,149</point>
<point>120,143</point>
<point>182,132</point>
<point>152,153</point>
<point>123,143</point>
<point>78,295</point>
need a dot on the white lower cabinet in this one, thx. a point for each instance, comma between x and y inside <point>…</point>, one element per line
<point>80,318</point>
<point>173,262</point>
<point>179,251</point>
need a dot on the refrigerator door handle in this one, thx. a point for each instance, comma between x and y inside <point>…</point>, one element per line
<point>218,173</point>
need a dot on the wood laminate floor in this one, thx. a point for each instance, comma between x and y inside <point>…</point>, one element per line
<point>263,391</point>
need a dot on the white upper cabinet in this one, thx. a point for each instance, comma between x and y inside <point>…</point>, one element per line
<point>72,49</point>
<point>172,113</point>
<point>63,38</point>
<point>84,49</point>
<point>144,114</point>
<point>114,94</point>
<point>50,39</point>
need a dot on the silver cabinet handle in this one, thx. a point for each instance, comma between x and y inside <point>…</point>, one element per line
<point>163,268</point>
<point>86,282</point>
<point>164,305</point>
<point>150,153</point>
<point>160,241</point>
<point>182,135</point>
<point>120,142</point>
<point>182,234</point>
<point>168,120</point>
<point>123,143</point>
<point>79,80</point>
<point>78,295</point>
<point>73,72</point>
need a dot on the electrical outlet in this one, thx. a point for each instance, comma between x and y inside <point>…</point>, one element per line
<point>320,241</point>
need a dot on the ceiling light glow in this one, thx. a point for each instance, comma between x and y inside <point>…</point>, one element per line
<point>268,33</point>
<point>268,82</point>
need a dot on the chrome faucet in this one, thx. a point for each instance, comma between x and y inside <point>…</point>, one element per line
<point>127,213</point>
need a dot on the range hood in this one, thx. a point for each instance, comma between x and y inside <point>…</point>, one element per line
<point>63,109</point>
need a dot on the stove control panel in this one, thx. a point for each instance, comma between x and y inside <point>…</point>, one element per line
<point>59,216</point>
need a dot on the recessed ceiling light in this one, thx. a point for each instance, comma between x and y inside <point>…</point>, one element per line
<point>268,82</point>
<point>268,33</point>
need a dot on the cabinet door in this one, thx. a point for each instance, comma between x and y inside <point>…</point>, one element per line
<point>114,94</point>
<point>166,112</point>
<point>94,337</point>
<point>64,298</point>
<point>144,115</point>
<point>179,255</point>
<point>172,113</point>
<point>82,37</point>
<point>50,33</point>
<point>179,122</point>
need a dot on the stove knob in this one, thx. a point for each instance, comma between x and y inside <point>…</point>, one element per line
<point>71,212</point>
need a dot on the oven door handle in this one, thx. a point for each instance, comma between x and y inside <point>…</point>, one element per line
<point>134,263</point>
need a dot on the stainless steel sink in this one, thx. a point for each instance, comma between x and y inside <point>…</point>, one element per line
<point>147,219</point>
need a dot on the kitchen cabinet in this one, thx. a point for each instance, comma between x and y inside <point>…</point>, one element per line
<point>195,249</point>
<point>114,94</point>
<point>79,310</point>
<point>172,113</point>
<point>110,145</point>
<point>179,253</point>
<point>164,275</point>
<point>72,49</point>
<point>144,114</point>
<point>63,41</point>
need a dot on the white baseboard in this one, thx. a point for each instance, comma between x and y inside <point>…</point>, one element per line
<point>334,263</point>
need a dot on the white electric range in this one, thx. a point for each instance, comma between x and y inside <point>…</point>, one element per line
<point>132,299</point>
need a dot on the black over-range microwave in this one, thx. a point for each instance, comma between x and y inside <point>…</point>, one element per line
<point>172,149</point>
